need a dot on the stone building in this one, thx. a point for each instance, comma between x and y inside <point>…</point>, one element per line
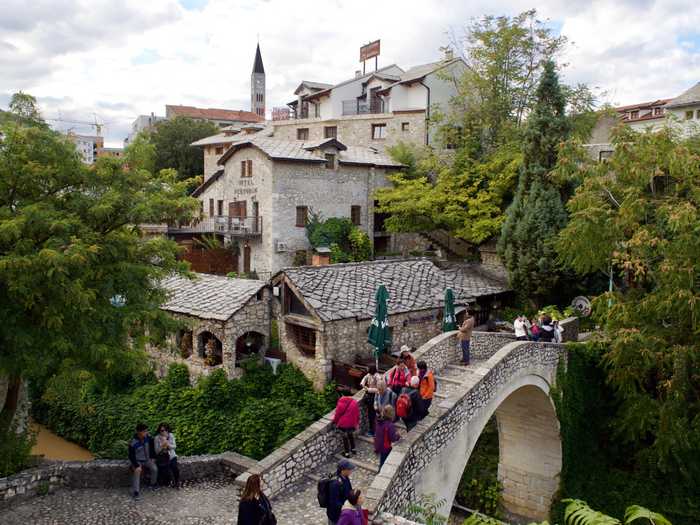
<point>376,109</point>
<point>225,320</point>
<point>266,189</point>
<point>324,312</point>
<point>218,116</point>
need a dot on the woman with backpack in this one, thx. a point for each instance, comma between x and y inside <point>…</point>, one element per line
<point>397,377</point>
<point>385,434</point>
<point>408,404</point>
<point>254,507</point>
<point>347,419</point>
<point>369,384</point>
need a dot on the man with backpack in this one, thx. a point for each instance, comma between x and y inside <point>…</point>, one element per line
<point>408,404</point>
<point>334,491</point>
<point>426,388</point>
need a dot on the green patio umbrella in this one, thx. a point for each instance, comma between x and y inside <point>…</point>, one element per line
<point>449,319</point>
<point>378,335</point>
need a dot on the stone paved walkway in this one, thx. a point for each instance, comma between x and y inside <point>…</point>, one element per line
<point>210,502</point>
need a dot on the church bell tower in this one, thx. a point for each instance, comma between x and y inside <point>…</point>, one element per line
<point>257,85</point>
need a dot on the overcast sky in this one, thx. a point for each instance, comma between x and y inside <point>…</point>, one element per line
<point>113,60</point>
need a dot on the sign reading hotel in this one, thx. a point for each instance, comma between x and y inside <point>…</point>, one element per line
<point>370,50</point>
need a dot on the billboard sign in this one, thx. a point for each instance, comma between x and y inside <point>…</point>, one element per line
<point>370,50</point>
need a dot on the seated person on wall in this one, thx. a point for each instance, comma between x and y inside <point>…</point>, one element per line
<point>142,454</point>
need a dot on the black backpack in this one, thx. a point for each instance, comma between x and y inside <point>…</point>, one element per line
<point>323,489</point>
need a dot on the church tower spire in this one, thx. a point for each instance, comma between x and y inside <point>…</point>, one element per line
<point>257,85</point>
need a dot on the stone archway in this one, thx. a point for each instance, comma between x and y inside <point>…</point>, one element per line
<point>209,348</point>
<point>248,344</point>
<point>529,449</point>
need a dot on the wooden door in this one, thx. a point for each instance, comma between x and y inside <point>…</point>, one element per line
<point>246,259</point>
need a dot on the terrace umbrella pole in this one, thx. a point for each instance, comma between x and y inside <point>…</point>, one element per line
<point>449,319</point>
<point>378,335</point>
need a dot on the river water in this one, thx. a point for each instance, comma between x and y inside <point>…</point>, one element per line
<point>54,447</point>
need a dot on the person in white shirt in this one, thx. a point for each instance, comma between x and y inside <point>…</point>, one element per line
<point>521,326</point>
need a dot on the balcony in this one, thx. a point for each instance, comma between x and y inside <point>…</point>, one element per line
<point>233,226</point>
<point>360,107</point>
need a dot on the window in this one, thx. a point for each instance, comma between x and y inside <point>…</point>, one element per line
<point>246,168</point>
<point>302,133</point>
<point>689,115</point>
<point>211,207</point>
<point>697,114</point>
<point>219,208</point>
<point>404,126</point>
<point>634,115</point>
<point>302,216</point>
<point>355,213</point>
<point>304,338</point>
<point>330,161</point>
<point>378,131</point>
<point>317,110</point>
<point>201,208</point>
<point>330,132</point>
<point>604,155</point>
<point>657,111</point>
<point>219,150</point>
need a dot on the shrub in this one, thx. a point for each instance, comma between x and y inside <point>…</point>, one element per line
<point>251,415</point>
<point>15,452</point>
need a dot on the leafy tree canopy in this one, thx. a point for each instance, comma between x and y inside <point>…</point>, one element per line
<point>347,242</point>
<point>172,139</point>
<point>638,214</point>
<point>70,250</point>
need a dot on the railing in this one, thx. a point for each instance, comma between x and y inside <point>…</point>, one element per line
<point>359,107</point>
<point>237,226</point>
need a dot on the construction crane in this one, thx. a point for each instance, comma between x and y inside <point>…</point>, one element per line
<point>98,126</point>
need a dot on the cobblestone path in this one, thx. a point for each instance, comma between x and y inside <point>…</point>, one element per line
<point>212,501</point>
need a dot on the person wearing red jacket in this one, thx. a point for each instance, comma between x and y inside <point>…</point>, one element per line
<point>347,419</point>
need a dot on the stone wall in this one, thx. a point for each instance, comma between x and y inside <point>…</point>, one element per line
<point>109,474</point>
<point>303,453</point>
<point>356,130</point>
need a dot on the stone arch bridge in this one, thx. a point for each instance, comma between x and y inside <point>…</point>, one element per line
<point>509,379</point>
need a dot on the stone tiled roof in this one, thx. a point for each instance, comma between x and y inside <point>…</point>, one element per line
<point>341,291</point>
<point>232,134</point>
<point>419,72</point>
<point>688,98</point>
<point>291,150</point>
<point>208,296</point>
<point>211,180</point>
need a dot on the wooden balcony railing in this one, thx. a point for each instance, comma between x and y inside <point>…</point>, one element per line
<point>235,226</point>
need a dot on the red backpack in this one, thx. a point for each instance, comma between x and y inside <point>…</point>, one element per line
<point>403,405</point>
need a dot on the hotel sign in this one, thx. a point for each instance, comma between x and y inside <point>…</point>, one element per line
<point>370,50</point>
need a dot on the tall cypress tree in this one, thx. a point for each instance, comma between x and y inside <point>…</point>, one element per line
<point>537,214</point>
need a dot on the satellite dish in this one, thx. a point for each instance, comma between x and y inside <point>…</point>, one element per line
<point>582,306</point>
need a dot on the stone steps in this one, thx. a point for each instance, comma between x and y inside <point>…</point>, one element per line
<point>360,463</point>
<point>448,380</point>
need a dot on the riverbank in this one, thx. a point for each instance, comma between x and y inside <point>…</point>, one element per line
<point>51,446</point>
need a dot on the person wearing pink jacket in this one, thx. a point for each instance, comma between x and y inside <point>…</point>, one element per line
<point>347,420</point>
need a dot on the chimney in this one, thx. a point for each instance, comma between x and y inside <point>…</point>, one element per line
<point>358,73</point>
<point>321,256</point>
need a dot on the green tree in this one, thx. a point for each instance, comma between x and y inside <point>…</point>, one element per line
<point>77,280</point>
<point>537,214</point>
<point>172,139</point>
<point>637,216</point>
<point>347,242</point>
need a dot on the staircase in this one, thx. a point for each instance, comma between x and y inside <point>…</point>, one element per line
<point>453,247</point>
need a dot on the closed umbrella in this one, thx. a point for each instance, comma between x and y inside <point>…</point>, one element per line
<point>449,320</point>
<point>378,335</point>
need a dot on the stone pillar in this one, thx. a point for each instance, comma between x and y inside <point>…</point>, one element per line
<point>530,452</point>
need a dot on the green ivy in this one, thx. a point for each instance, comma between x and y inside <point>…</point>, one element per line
<point>251,415</point>
<point>599,468</point>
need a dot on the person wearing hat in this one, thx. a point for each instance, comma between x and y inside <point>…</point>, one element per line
<point>409,360</point>
<point>339,491</point>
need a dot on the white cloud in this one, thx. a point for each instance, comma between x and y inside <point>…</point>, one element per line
<point>121,59</point>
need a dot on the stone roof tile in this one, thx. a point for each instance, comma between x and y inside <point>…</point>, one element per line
<point>341,291</point>
<point>208,296</point>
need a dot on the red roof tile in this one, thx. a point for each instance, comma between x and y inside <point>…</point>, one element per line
<point>212,113</point>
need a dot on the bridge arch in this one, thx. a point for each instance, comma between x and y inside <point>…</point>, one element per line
<point>529,449</point>
<point>514,383</point>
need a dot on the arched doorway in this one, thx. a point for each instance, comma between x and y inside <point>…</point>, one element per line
<point>209,348</point>
<point>249,344</point>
